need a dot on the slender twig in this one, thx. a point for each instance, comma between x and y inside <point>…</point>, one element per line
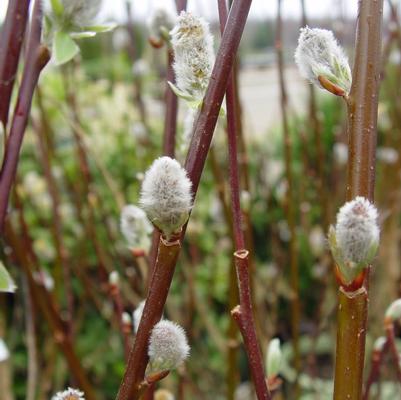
<point>232,330</point>
<point>206,120</point>
<point>377,360</point>
<point>362,132</point>
<point>389,327</point>
<point>153,310</point>
<point>12,35</point>
<point>203,132</point>
<point>241,254</point>
<point>363,101</point>
<point>351,321</point>
<point>37,58</point>
<point>170,123</point>
<point>291,217</point>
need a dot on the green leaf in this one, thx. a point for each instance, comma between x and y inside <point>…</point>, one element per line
<point>100,28</point>
<point>6,282</point>
<point>182,95</point>
<point>64,48</point>
<point>57,7</point>
<point>82,35</point>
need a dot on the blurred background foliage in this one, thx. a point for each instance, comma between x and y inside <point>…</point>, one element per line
<point>88,130</point>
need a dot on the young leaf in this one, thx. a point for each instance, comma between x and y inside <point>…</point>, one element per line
<point>64,48</point>
<point>82,35</point>
<point>6,282</point>
<point>179,93</point>
<point>100,28</point>
<point>57,7</point>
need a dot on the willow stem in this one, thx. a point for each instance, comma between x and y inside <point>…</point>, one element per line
<point>153,310</point>
<point>241,256</point>
<point>12,35</point>
<point>203,132</point>
<point>37,58</point>
<point>350,352</point>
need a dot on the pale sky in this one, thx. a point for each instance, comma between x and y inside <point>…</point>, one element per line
<point>115,9</point>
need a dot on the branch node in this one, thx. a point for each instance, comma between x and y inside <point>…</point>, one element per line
<point>242,255</point>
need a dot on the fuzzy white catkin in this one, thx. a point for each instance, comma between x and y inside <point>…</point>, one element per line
<point>69,394</point>
<point>163,394</point>
<point>193,54</point>
<point>81,12</point>
<point>135,227</point>
<point>273,358</point>
<point>114,278</point>
<point>166,195</point>
<point>394,310</point>
<point>4,352</point>
<point>357,229</point>
<point>161,19</point>
<point>379,343</point>
<point>319,54</point>
<point>126,318</point>
<point>137,315</point>
<point>168,346</point>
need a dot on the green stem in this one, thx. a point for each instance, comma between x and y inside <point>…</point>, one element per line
<point>152,313</point>
<point>350,352</point>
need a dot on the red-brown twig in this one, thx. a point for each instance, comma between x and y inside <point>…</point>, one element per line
<point>389,327</point>
<point>37,57</point>
<point>377,359</point>
<point>152,312</point>
<point>362,132</point>
<point>244,314</point>
<point>12,35</point>
<point>203,132</point>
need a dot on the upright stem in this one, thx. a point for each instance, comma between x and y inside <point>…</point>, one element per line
<point>244,314</point>
<point>203,132</point>
<point>294,273</point>
<point>171,101</point>
<point>377,359</point>
<point>363,101</point>
<point>362,133</point>
<point>232,331</point>
<point>152,312</point>
<point>351,321</point>
<point>393,348</point>
<point>206,120</point>
<point>37,57</point>
<point>12,36</point>
<point>170,124</point>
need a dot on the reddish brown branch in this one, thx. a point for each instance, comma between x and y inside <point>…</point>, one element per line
<point>203,132</point>
<point>207,118</point>
<point>377,359</point>
<point>363,101</point>
<point>244,313</point>
<point>393,348</point>
<point>37,57</point>
<point>12,36</point>
<point>362,134</point>
<point>130,388</point>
